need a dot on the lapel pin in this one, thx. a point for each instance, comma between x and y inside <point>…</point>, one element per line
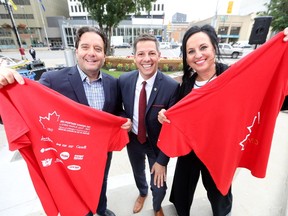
<point>155,89</point>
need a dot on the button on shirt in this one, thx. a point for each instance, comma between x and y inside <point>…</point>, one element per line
<point>94,90</point>
<point>148,87</point>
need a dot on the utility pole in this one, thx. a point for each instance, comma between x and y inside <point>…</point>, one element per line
<point>214,20</point>
<point>13,23</point>
<point>46,35</point>
<point>27,25</point>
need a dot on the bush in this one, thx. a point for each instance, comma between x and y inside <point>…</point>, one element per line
<point>127,67</point>
<point>165,67</point>
<point>119,67</point>
<point>108,65</point>
<point>180,67</point>
<point>133,66</point>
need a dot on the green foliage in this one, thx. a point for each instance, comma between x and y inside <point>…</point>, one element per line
<point>108,65</point>
<point>278,10</point>
<point>109,13</point>
<point>127,67</point>
<point>119,67</point>
<point>115,74</point>
<point>133,66</point>
<point>180,67</point>
<point>165,67</point>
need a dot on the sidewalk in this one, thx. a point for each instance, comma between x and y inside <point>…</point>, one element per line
<point>252,196</point>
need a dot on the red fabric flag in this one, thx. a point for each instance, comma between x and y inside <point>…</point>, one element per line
<point>229,122</point>
<point>64,144</point>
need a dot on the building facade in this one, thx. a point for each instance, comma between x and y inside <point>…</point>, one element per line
<point>179,18</point>
<point>231,28</point>
<point>146,22</point>
<point>54,23</point>
<point>35,20</point>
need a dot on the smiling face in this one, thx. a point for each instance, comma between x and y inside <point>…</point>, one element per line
<point>146,58</point>
<point>200,54</point>
<point>90,54</point>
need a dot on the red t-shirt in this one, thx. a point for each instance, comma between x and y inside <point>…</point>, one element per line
<point>229,122</point>
<point>64,144</point>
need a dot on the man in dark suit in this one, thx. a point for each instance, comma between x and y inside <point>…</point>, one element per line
<point>161,91</point>
<point>86,84</point>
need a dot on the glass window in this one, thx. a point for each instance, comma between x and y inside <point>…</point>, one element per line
<point>7,41</point>
<point>223,30</point>
<point>5,32</point>
<point>235,30</point>
<point>21,2</point>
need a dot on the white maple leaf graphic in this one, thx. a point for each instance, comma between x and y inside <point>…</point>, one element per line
<point>48,122</point>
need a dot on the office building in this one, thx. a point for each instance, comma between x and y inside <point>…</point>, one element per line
<point>36,22</point>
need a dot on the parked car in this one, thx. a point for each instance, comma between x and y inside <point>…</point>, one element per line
<point>164,45</point>
<point>242,44</point>
<point>174,45</point>
<point>227,50</point>
<point>123,45</point>
<point>56,48</point>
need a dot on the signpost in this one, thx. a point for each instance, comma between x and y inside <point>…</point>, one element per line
<point>13,23</point>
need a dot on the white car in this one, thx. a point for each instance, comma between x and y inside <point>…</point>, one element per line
<point>165,45</point>
<point>227,50</point>
<point>242,44</point>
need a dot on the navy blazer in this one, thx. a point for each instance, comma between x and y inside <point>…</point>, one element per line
<point>164,94</point>
<point>68,82</point>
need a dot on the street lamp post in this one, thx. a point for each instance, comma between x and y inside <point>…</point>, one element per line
<point>214,20</point>
<point>46,35</point>
<point>132,17</point>
<point>13,23</point>
<point>28,28</point>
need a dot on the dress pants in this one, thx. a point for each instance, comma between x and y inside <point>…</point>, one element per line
<point>187,173</point>
<point>102,205</point>
<point>137,153</point>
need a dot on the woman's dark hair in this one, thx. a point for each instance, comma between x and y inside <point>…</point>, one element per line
<point>85,29</point>
<point>207,29</point>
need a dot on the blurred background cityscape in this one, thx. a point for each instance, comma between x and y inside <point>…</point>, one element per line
<point>54,23</point>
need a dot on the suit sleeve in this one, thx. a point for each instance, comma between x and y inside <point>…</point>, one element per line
<point>162,158</point>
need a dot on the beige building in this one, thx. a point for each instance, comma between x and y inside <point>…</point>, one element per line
<point>231,28</point>
<point>35,20</point>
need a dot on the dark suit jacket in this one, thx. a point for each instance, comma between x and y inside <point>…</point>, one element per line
<point>68,82</point>
<point>164,94</point>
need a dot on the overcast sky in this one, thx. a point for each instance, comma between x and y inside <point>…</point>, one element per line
<point>201,9</point>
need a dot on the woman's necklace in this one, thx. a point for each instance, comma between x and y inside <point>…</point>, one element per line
<point>205,82</point>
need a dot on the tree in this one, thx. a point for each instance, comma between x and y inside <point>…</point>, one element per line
<point>109,13</point>
<point>278,10</point>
